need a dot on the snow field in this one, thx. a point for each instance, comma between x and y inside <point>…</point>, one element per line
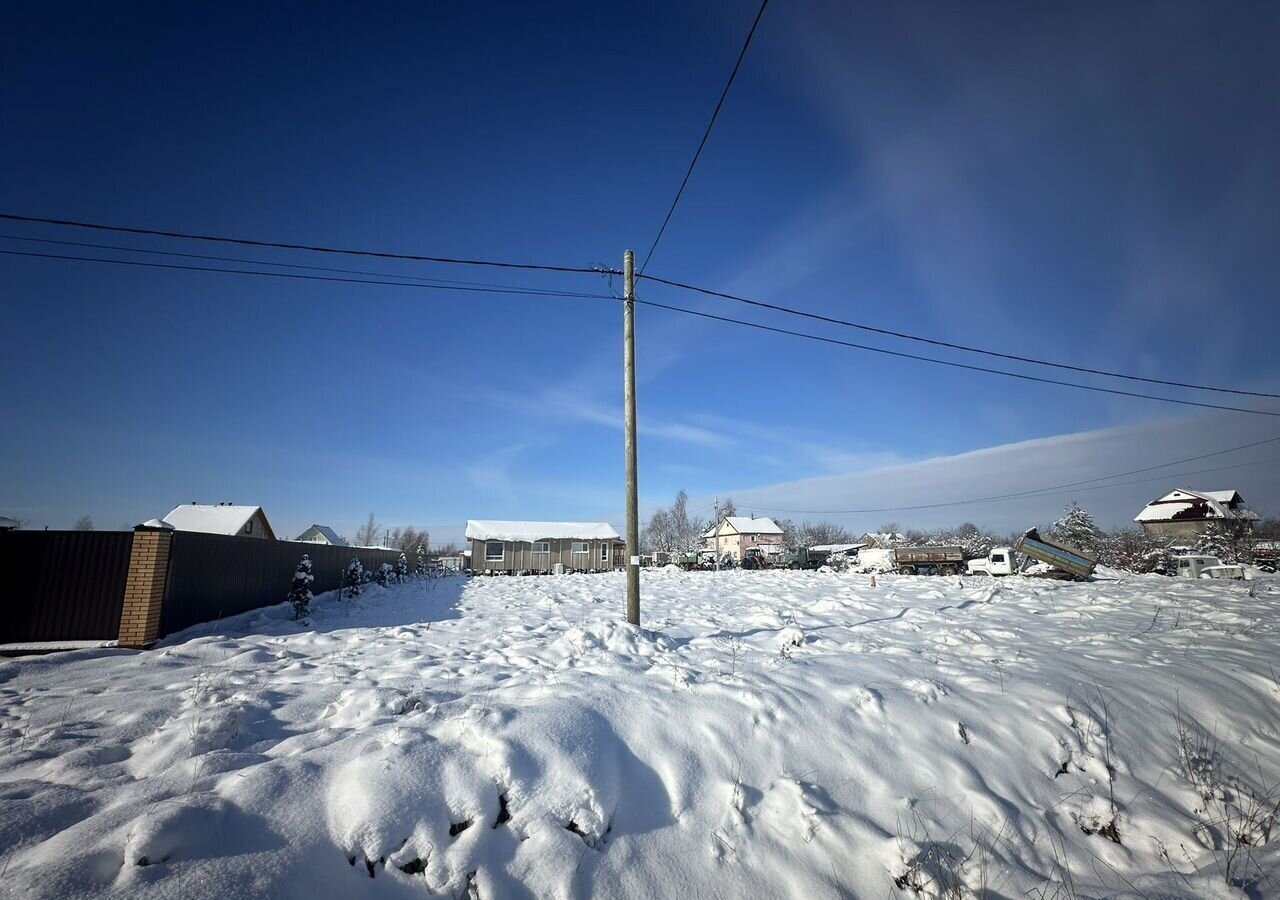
<point>771,734</point>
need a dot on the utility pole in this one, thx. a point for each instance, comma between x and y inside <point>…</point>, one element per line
<point>717,532</point>
<point>629,400</point>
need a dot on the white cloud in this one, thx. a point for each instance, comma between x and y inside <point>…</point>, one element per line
<point>1043,462</point>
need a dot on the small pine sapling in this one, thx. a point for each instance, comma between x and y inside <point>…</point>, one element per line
<point>300,593</point>
<point>422,562</point>
<point>354,578</point>
<point>386,574</point>
<point>402,569</point>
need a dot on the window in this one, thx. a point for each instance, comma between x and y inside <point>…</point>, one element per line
<point>997,557</point>
<point>604,553</point>
<point>541,546</point>
<point>580,547</point>
<point>248,527</point>
<point>494,551</point>
<point>1184,563</point>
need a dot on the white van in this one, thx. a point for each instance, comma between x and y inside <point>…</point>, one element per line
<point>1196,566</point>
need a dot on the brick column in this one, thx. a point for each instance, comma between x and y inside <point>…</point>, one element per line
<point>144,588</point>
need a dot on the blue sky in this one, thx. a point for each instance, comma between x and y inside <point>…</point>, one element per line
<point>1085,184</point>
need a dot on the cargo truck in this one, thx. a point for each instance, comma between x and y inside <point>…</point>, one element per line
<point>928,560</point>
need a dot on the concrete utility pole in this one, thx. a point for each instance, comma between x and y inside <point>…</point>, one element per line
<point>629,399</point>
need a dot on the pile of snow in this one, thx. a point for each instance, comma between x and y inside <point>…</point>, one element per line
<point>767,734</point>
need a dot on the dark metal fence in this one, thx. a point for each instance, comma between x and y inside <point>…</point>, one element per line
<point>62,585</point>
<point>212,576</point>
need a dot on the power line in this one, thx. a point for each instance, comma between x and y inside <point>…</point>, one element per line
<point>705,135</point>
<point>536,292</point>
<point>248,242</point>
<point>1043,492</point>
<point>955,365</point>
<point>948,344</point>
<point>263,262</point>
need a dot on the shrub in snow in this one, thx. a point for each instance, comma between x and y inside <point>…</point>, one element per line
<point>354,577</point>
<point>402,569</point>
<point>1077,529</point>
<point>386,574</point>
<point>421,571</point>
<point>300,593</point>
<point>1133,550</point>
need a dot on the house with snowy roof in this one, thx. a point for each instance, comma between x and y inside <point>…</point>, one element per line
<point>321,534</point>
<point>1184,513</point>
<point>221,518</point>
<point>735,535</point>
<point>540,548</point>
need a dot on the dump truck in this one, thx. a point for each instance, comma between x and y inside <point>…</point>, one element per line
<point>928,560</point>
<point>1067,562</point>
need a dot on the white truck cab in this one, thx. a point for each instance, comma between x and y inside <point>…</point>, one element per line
<point>1197,566</point>
<point>999,561</point>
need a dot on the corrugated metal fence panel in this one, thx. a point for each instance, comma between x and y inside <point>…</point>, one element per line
<point>212,576</point>
<point>62,585</point>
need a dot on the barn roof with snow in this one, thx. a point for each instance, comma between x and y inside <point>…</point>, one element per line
<point>218,518</point>
<point>527,532</point>
<point>1186,505</point>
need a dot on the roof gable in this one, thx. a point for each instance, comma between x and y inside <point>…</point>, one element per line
<point>221,518</point>
<point>1186,505</point>
<point>746,525</point>
<point>324,531</point>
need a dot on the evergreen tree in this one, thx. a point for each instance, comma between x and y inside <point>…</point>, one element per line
<point>422,562</point>
<point>1215,540</point>
<point>385,574</point>
<point>402,569</point>
<point>1077,529</point>
<point>354,577</point>
<point>300,593</point>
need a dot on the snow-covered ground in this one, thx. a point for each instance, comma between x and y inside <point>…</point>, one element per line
<point>773,734</point>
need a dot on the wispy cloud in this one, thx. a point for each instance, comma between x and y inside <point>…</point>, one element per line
<point>1029,465</point>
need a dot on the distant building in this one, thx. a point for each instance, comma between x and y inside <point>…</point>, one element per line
<point>539,547</point>
<point>735,535</point>
<point>321,534</point>
<point>1184,513</point>
<point>221,518</point>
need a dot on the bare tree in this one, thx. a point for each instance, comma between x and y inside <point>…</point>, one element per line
<point>84,523</point>
<point>367,535</point>
<point>674,529</point>
<point>728,508</point>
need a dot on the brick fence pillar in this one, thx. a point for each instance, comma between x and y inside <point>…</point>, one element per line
<point>144,588</point>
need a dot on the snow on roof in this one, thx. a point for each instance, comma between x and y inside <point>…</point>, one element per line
<point>747,525</point>
<point>222,518</point>
<point>1188,505</point>
<point>489,530</point>
<point>322,530</point>
<point>6,522</point>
